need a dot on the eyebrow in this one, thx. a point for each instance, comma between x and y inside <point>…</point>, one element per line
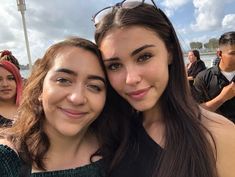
<point>71,72</point>
<point>67,71</point>
<point>95,77</point>
<point>136,51</point>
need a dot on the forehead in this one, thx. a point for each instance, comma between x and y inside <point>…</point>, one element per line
<point>227,47</point>
<point>190,53</point>
<point>136,32</point>
<point>78,60</point>
<point>4,71</point>
<point>128,38</point>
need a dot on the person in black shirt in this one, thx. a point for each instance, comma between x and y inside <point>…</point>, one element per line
<point>215,87</point>
<point>170,135</point>
<point>195,65</point>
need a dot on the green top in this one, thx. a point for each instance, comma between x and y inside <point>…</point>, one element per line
<point>10,164</point>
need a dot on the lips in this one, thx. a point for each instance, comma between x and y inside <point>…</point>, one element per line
<point>5,90</point>
<point>138,94</point>
<point>73,113</point>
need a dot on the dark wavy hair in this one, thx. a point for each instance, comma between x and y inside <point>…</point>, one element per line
<point>7,55</point>
<point>187,150</point>
<point>27,132</point>
<point>196,54</point>
<point>227,38</point>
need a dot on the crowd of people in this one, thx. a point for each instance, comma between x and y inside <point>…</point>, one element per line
<point>123,106</point>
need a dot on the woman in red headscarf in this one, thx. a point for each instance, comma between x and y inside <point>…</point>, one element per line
<point>10,92</point>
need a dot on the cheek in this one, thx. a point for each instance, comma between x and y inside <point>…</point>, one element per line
<point>98,102</point>
<point>14,85</point>
<point>117,80</point>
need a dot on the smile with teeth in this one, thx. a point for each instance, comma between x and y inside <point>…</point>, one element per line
<point>138,94</point>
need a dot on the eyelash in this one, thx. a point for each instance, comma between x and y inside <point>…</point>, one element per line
<point>140,59</point>
<point>113,66</point>
<point>63,81</point>
<point>94,88</point>
<point>12,78</point>
<point>144,57</point>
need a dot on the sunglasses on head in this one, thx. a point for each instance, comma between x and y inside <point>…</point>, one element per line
<point>126,4</point>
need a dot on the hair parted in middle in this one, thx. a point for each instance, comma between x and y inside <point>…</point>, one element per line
<point>186,149</point>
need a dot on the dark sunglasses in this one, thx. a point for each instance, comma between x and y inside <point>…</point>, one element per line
<point>126,4</point>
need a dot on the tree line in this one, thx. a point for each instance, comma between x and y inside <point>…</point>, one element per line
<point>211,45</point>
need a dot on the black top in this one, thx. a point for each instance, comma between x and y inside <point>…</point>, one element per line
<point>196,67</point>
<point>208,84</point>
<point>142,155</point>
<point>11,165</point>
<point>4,122</point>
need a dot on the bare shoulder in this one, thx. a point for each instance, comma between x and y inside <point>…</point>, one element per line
<point>215,121</point>
<point>223,132</point>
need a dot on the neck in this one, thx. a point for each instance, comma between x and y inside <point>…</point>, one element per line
<point>226,68</point>
<point>153,115</point>
<point>10,102</point>
<point>70,152</point>
<point>154,125</point>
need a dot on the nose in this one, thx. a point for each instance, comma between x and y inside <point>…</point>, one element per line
<point>133,77</point>
<point>77,96</point>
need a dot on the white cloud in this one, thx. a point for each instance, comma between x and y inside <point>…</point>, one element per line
<point>173,5</point>
<point>229,21</point>
<point>208,13</point>
<point>47,22</point>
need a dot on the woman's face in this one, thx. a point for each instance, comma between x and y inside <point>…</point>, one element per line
<point>191,57</point>
<point>7,86</point>
<point>137,62</point>
<point>74,92</point>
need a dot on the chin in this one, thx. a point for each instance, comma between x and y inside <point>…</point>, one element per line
<point>142,107</point>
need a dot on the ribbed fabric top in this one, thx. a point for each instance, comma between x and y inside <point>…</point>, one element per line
<point>91,170</point>
<point>9,162</point>
<point>10,165</point>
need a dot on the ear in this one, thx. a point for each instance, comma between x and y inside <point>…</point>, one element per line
<point>170,58</point>
<point>40,98</point>
<point>220,53</point>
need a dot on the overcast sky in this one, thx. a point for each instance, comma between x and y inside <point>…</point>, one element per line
<point>49,21</point>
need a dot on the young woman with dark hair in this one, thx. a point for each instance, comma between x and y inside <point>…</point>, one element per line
<point>169,134</point>
<point>10,92</point>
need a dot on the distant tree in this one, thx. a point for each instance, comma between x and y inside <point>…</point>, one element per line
<point>213,43</point>
<point>206,45</point>
<point>196,45</point>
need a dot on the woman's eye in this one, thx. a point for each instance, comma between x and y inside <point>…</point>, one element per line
<point>11,78</point>
<point>63,81</point>
<point>94,88</point>
<point>144,57</point>
<point>114,66</point>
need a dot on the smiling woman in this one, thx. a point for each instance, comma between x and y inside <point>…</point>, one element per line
<point>10,92</point>
<point>169,135</point>
<point>61,111</point>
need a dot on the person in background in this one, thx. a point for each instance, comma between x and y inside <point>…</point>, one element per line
<point>62,115</point>
<point>169,134</point>
<point>215,88</point>
<point>194,66</point>
<point>10,92</point>
<point>216,60</point>
<point>7,55</point>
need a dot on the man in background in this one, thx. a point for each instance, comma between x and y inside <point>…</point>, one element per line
<point>215,87</point>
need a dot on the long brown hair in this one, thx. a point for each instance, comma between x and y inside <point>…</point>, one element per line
<point>187,150</point>
<point>27,134</point>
